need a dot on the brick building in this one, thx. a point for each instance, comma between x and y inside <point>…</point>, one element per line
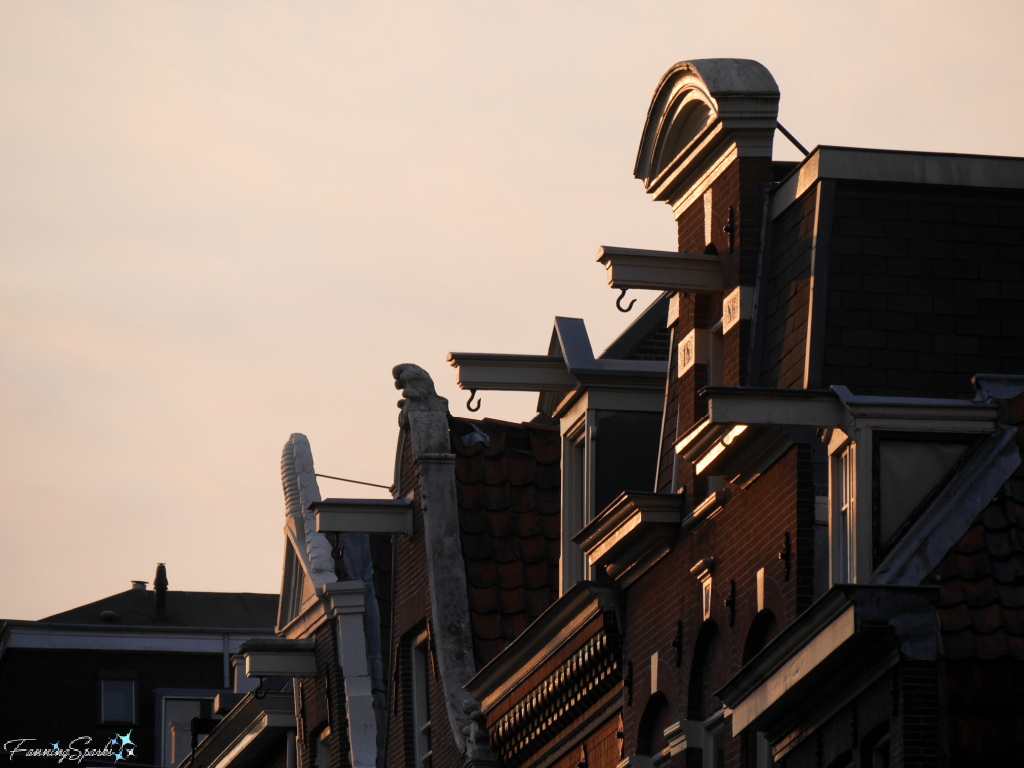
<point>777,520</point>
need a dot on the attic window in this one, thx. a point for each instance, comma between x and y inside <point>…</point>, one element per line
<point>908,470</point>
<point>117,701</point>
<point>576,492</point>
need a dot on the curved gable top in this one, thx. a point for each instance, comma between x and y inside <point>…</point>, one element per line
<point>696,97</point>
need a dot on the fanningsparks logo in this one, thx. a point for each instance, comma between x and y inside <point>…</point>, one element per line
<point>119,747</point>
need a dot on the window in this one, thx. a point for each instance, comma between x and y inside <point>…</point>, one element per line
<point>843,482</point>
<point>714,742</point>
<point>762,751</point>
<point>421,699</point>
<point>716,356</point>
<point>323,749</point>
<point>576,501</point>
<point>117,701</point>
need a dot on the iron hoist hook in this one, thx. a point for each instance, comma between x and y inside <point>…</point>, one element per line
<point>618,302</point>
<point>469,403</point>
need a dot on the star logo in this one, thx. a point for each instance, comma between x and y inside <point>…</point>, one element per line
<point>117,757</point>
<point>131,752</point>
<point>126,740</point>
<point>56,746</point>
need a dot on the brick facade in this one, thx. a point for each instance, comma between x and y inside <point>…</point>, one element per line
<point>746,535</point>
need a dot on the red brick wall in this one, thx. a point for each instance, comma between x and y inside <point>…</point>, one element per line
<point>322,704</point>
<point>744,536</point>
<point>741,186</point>
<point>600,748</point>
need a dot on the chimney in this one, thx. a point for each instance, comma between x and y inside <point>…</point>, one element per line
<point>160,587</point>
<point>140,585</point>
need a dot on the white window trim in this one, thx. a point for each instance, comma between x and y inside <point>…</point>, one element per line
<point>135,699</point>
<point>849,521</point>
<point>419,726</point>
<point>576,512</point>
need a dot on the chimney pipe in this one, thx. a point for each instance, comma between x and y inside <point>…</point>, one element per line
<point>160,587</point>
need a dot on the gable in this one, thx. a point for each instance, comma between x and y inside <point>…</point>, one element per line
<point>297,590</point>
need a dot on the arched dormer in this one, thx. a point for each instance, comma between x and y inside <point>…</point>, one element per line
<point>701,110</point>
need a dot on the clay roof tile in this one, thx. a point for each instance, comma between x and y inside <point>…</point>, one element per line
<point>974,566</point>
<point>507,486</point>
<point>507,550</point>
<point>502,523</point>
<point>473,521</point>
<point>496,470</point>
<point>469,470</point>
<point>549,501</point>
<point>546,447</point>
<point>497,497</point>
<point>981,580</point>
<point>483,599</point>
<point>537,600</point>
<point>469,496</point>
<point>536,574</point>
<point>510,575</point>
<point>513,624</point>
<point>524,498</point>
<point>528,524</point>
<point>512,600</point>
<point>522,468</point>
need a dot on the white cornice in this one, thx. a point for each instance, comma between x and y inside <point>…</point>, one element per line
<point>632,534</point>
<point>541,640</point>
<point>165,640</point>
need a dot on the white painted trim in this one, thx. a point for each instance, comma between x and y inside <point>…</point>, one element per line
<point>635,268</point>
<point>280,664</point>
<point>43,637</point>
<point>349,516</point>
<point>737,306</point>
<point>794,670</point>
<point>693,350</point>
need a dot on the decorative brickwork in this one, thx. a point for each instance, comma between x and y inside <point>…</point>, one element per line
<point>743,537</point>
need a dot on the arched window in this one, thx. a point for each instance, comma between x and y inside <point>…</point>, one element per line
<point>650,737</point>
<point>763,628</point>
<point>700,672</point>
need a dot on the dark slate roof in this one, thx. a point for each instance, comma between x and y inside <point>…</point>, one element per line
<point>137,608</point>
<point>981,579</point>
<point>507,481</point>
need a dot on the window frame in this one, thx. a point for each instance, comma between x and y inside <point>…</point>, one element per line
<point>577,499</point>
<point>116,677</point>
<point>419,665</point>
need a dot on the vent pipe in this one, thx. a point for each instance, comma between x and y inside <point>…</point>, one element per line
<point>160,587</point>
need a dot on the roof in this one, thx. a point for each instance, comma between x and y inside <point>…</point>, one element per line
<point>898,167</point>
<point>507,484</point>
<point>136,607</point>
<point>981,578</point>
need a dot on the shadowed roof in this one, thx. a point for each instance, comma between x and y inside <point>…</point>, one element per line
<point>507,484</point>
<point>981,578</point>
<point>136,607</point>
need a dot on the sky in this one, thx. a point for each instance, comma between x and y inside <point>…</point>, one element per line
<point>222,223</point>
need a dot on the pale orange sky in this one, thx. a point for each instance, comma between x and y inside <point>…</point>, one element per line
<point>221,223</point>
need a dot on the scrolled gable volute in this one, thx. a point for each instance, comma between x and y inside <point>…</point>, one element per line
<point>703,111</point>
